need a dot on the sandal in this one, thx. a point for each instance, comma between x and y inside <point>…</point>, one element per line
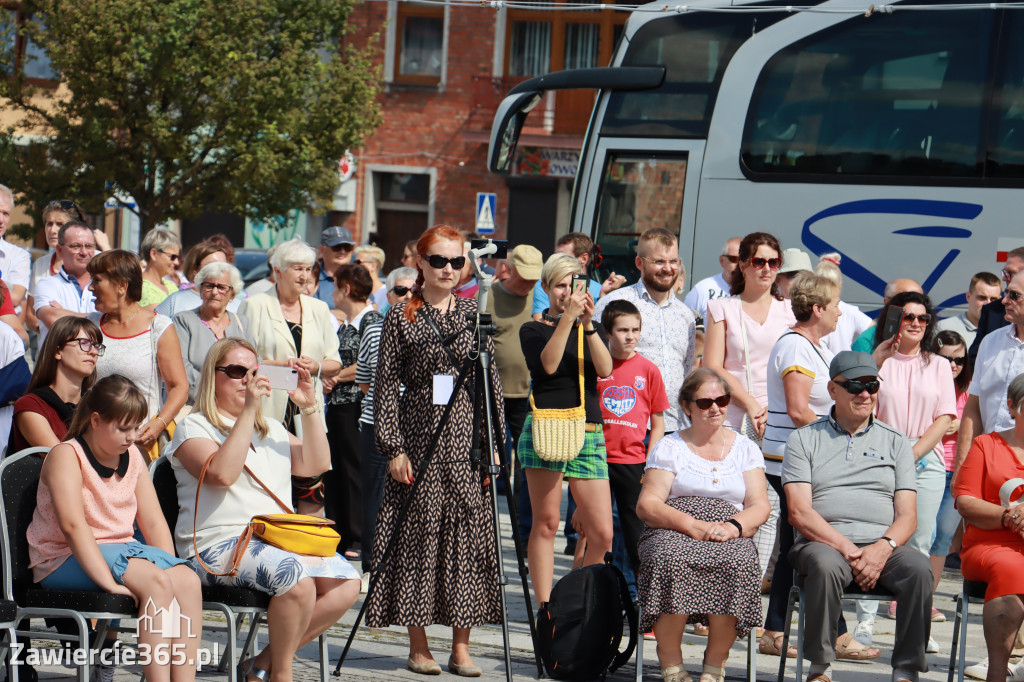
<point>712,674</point>
<point>819,677</point>
<point>700,630</point>
<point>675,673</point>
<point>771,644</point>
<point>248,668</point>
<point>849,649</point>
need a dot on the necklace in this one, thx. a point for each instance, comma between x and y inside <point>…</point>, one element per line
<point>550,320</point>
<point>129,319</point>
<point>714,468</point>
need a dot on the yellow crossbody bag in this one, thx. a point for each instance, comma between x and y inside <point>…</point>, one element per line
<point>559,435</point>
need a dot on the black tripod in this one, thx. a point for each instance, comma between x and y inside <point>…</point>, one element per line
<point>475,376</point>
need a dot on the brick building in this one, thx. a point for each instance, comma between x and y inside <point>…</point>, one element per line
<point>446,68</point>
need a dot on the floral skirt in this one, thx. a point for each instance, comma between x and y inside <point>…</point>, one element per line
<point>267,568</point>
<point>681,575</point>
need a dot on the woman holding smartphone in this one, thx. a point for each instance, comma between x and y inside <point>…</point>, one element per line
<point>551,350</point>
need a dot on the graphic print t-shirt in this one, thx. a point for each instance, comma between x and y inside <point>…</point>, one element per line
<point>629,396</point>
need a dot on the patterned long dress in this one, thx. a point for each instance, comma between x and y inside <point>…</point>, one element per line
<point>444,566</point>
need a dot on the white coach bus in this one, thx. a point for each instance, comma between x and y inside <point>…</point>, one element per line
<point>893,136</point>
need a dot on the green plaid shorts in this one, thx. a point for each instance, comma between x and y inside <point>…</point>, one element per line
<point>592,462</point>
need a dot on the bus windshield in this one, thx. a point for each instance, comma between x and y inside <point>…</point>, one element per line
<point>695,48</point>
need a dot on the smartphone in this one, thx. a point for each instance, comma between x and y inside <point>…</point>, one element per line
<point>892,322</point>
<point>579,283</point>
<point>284,378</point>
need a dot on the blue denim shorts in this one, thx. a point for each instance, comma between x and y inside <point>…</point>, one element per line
<point>70,575</point>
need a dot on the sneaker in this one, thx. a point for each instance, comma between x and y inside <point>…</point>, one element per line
<point>1015,672</point>
<point>978,671</point>
<point>938,616</point>
<point>650,635</point>
<point>933,646</point>
<point>102,673</point>
<point>864,631</point>
<point>892,609</point>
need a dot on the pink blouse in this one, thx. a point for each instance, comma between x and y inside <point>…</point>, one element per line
<point>914,394</point>
<point>949,441</point>
<point>760,341</point>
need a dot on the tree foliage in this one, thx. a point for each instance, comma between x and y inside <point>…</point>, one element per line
<point>190,105</point>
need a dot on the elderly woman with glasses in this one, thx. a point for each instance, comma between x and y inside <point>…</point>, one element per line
<point>703,499</point>
<point>161,249</point>
<point>187,296</point>
<point>218,283</point>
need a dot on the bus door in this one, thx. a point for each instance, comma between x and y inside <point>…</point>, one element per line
<point>632,184</point>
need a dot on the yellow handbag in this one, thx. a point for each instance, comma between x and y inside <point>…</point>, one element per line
<point>559,435</point>
<point>297,533</point>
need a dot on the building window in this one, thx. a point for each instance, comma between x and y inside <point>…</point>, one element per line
<point>419,44</point>
<point>21,53</point>
<point>540,42</point>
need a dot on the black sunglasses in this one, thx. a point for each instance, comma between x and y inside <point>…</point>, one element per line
<point>69,207</point>
<point>172,256</point>
<point>706,403</point>
<point>438,262</point>
<point>959,362</point>
<point>732,259</point>
<point>910,317</point>
<point>772,263</point>
<point>234,371</point>
<point>399,290</point>
<point>1014,295</point>
<point>856,387</point>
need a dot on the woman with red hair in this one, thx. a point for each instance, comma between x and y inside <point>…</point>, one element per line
<point>443,566</point>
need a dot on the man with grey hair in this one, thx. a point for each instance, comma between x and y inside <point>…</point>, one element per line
<point>718,285</point>
<point>15,262</point>
<point>852,495</point>
<point>865,343</point>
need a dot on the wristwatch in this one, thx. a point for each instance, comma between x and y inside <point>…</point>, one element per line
<point>892,543</point>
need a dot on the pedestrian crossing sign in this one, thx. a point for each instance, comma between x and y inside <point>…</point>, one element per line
<point>485,205</point>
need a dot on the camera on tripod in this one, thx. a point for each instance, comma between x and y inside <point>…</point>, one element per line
<point>482,249</point>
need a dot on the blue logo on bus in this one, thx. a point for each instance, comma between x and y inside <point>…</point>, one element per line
<point>879,208</point>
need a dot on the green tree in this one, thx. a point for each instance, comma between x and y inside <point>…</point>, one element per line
<point>190,105</point>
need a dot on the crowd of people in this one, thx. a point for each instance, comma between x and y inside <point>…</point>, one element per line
<point>723,438</point>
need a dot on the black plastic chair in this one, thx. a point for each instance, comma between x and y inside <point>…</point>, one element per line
<point>19,480</point>
<point>233,602</point>
<point>796,599</point>
<point>972,592</point>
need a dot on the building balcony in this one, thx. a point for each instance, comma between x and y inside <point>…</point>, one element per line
<point>560,120</point>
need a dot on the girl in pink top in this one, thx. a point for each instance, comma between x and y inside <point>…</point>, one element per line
<point>918,398</point>
<point>92,489</point>
<point>765,317</point>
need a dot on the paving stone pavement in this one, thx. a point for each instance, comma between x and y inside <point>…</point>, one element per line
<point>381,654</point>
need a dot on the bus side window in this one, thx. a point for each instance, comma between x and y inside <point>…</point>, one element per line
<point>1005,157</point>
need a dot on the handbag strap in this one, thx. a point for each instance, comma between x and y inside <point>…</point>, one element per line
<point>243,539</point>
<point>579,363</point>
<point>746,349</point>
<point>812,346</point>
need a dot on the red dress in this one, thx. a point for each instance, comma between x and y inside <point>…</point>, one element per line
<point>992,556</point>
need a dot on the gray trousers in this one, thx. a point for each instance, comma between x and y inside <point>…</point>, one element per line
<point>907,575</point>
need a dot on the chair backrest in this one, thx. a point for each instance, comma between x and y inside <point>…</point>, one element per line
<point>19,480</point>
<point>166,485</point>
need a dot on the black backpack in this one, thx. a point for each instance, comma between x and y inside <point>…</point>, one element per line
<point>579,631</point>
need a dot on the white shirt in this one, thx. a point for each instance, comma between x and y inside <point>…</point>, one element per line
<point>1000,359</point>
<point>11,348</point>
<point>706,290</point>
<point>15,266</point>
<point>667,338</point>
<point>792,353</point>
<point>850,325</point>
<point>961,325</point>
<point>62,288</point>
<point>699,477</point>
<point>41,269</point>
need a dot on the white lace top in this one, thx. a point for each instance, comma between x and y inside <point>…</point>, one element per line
<point>135,358</point>
<point>698,477</point>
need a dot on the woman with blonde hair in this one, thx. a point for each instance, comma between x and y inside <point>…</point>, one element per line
<point>551,348</point>
<point>853,322</point>
<point>249,461</point>
<point>161,249</point>
<point>372,258</point>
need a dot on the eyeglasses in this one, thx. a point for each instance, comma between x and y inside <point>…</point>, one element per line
<point>772,263</point>
<point>959,362</point>
<point>924,318</point>
<point>172,256</point>
<point>732,259</point>
<point>1013,295</point>
<point>234,371</point>
<point>438,262</point>
<point>706,403</point>
<point>219,288</point>
<point>856,386</point>
<point>67,206</point>
<point>88,345</point>
<point>79,247</point>
<point>674,263</point>
<point>399,290</point>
